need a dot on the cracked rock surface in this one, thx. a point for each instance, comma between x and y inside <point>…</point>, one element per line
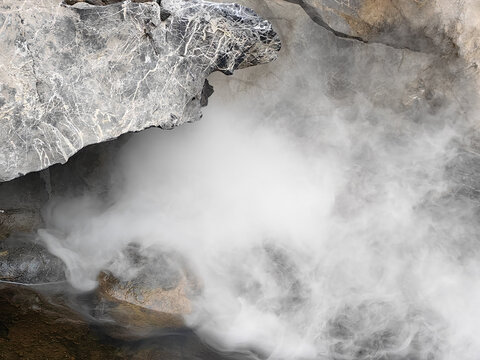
<point>434,26</point>
<point>74,75</point>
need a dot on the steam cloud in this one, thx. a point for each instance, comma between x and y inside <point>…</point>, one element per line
<point>323,221</point>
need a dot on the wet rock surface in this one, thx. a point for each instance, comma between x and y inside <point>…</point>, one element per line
<point>41,326</point>
<point>149,298</point>
<point>41,316</point>
<point>31,327</point>
<point>150,278</point>
<point>152,291</point>
<point>24,261</point>
<point>82,74</point>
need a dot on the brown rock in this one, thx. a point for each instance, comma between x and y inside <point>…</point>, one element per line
<point>145,291</point>
<point>35,327</point>
<point>41,326</point>
<point>168,301</point>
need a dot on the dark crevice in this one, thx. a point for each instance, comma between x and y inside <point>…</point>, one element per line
<point>317,19</point>
<point>207,91</point>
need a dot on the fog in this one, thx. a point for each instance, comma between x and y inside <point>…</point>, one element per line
<point>326,204</point>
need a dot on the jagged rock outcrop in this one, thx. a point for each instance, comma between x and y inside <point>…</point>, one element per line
<point>75,75</point>
<point>436,26</point>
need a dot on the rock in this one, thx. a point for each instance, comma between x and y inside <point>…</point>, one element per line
<point>146,294</point>
<point>37,326</point>
<point>14,221</point>
<point>23,261</point>
<point>145,290</point>
<point>414,83</point>
<point>33,326</point>
<point>437,26</point>
<point>82,74</point>
<point>20,204</point>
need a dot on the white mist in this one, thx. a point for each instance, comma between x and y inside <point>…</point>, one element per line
<point>318,227</point>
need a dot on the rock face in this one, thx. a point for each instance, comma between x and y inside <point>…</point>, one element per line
<point>76,75</point>
<point>438,26</point>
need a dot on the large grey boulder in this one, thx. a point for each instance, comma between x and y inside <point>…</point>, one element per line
<point>75,75</point>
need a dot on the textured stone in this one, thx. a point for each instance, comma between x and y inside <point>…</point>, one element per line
<point>26,262</point>
<point>20,204</point>
<point>437,26</point>
<point>151,278</point>
<point>413,83</point>
<point>75,75</point>
<point>39,326</point>
<point>146,289</point>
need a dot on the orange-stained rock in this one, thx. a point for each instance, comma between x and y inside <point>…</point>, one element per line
<point>145,291</point>
<point>170,301</point>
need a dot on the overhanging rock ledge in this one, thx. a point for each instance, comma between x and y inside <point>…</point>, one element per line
<point>74,75</point>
